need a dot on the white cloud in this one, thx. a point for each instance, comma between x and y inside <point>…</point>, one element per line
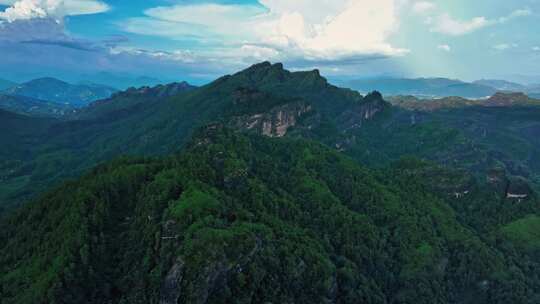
<point>446,24</point>
<point>536,48</point>
<point>516,14</point>
<point>281,29</point>
<point>505,46</point>
<point>444,47</point>
<point>423,7</point>
<point>56,9</point>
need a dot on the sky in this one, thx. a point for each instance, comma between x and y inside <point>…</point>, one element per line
<point>198,41</point>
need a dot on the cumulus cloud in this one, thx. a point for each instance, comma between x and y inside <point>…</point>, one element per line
<point>56,9</point>
<point>446,24</point>
<point>332,30</point>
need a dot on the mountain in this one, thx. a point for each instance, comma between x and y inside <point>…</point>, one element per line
<point>34,107</point>
<point>502,85</point>
<point>423,87</point>
<point>250,219</point>
<point>131,98</point>
<point>5,84</point>
<point>264,98</point>
<point>271,186</point>
<point>58,91</point>
<point>120,81</point>
<point>500,99</point>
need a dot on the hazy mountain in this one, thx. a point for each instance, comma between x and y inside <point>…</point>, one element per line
<point>131,99</point>
<point>34,107</point>
<point>58,91</point>
<point>122,82</point>
<point>503,85</point>
<point>5,84</point>
<point>423,87</point>
<point>500,99</point>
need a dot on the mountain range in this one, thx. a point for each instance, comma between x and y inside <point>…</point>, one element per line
<point>271,186</point>
<point>5,84</point>
<point>34,107</point>
<point>57,91</point>
<point>121,81</point>
<point>439,87</point>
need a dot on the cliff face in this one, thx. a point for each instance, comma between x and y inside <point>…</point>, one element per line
<point>360,113</point>
<point>270,115</point>
<point>277,121</point>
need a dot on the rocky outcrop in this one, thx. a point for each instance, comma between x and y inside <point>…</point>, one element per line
<point>159,91</point>
<point>362,112</point>
<point>171,287</point>
<point>277,121</point>
<point>507,99</point>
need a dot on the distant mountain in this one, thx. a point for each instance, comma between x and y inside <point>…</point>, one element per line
<point>5,84</point>
<point>132,98</point>
<point>502,85</point>
<point>423,87</point>
<point>122,82</point>
<point>52,89</point>
<point>499,99</point>
<point>265,98</point>
<point>445,213</point>
<point>34,107</point>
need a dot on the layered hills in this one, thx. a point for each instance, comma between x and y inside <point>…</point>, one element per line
<point>271,186</point>
<point>57,91</point>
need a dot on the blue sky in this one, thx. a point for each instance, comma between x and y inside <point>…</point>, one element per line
<point>200,40</point>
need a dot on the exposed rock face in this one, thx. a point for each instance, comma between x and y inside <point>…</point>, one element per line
<point>177,287</point>
<point>507,99</point>
<point>276,122</point>
<point>518,189</point>
<point>171,287</point>
<point>362,112</point>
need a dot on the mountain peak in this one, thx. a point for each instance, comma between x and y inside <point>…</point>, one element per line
<point>266,73</point>
<point>47,80</point>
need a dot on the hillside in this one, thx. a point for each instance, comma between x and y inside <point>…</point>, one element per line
<point>237,218</point>
<point>58,91</point>
<point>150,122</point>
<point>153,124</point>
<point>34,107</point>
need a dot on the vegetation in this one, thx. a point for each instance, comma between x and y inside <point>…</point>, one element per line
<point>345,200</point>
<point>248,219</point>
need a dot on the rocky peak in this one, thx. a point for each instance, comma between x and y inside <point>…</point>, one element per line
<point>506,99</point>
<point>167,90</point>
<point>267,73</point>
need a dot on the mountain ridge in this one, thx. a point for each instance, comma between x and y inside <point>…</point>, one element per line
<point>55,90</point>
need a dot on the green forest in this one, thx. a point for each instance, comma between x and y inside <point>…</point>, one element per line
<point>269,186</point>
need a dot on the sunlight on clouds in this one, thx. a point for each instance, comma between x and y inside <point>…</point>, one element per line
<point>445,24</point>
<point>330,30</point>
<point>57,9</point>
